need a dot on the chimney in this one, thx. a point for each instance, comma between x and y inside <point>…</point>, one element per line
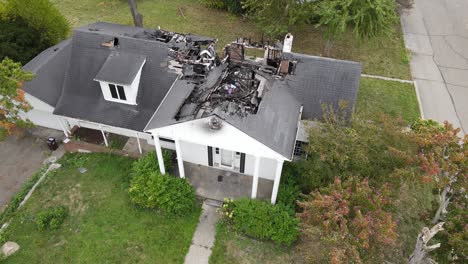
<point>288,41</point>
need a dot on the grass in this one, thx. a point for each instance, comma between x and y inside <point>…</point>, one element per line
<point>389,97</point>
<point>385,57</point>
<point>103,227</point>
<point>233,248</point>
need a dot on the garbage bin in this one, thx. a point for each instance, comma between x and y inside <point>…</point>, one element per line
<point>52,143</point>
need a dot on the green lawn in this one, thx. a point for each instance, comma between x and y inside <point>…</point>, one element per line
<point>389,97</point>
<point>103,227</point>
<point>233,248</point>
<point>386,57</point>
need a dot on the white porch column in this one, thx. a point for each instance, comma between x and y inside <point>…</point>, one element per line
<point>255,177</point>
<point>138,141</point>
<point>279,169</point>
<point>62,126</point>
<point>180,161</point>
<point>104,136</point>
<point>159,154</point>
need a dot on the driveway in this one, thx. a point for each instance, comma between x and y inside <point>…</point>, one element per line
<point>436,33</point>
<point>20,157</point>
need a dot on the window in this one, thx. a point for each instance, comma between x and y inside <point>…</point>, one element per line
<point>117,92</point>
<point>300,149</point>
<point>113,91</point>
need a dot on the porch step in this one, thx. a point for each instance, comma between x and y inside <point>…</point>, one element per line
<point>214,203</point>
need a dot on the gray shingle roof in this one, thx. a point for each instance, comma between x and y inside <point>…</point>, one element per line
<point>317,81</point>
<point>49,68</point>
<point>275,123</point>
<point>120,68</point>
<point>82,97</point>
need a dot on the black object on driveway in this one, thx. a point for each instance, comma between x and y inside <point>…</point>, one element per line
<point>52,143</point>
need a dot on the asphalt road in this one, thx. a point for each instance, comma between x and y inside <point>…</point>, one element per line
<point>436,33</point>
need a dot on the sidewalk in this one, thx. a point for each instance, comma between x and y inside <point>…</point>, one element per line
<point>204,237</point>
<point>436,34</point>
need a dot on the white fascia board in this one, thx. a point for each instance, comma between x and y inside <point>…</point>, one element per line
<point>38,104</point>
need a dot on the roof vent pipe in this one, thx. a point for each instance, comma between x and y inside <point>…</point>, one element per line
<point>288,41</point>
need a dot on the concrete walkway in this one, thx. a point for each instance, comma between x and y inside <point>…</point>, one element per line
<point>204,237</point>
<point>436,33</point>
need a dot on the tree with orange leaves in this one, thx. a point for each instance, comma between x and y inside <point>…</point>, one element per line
<point>355,220</point>
<point>12,100</point>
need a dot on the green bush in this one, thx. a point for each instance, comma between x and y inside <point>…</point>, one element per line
<point>51,218</point>
<point>148,163</point>
<point>289,190</point>
<point>164,192</point>
<point>262,220</point>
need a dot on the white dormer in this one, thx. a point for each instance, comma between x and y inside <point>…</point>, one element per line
<point>119,77</point>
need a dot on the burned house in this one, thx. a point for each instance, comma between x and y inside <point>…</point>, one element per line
<point>222,113</point>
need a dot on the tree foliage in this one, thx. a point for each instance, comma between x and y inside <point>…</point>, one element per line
<point>354,218</point>
<point>367,18</point>
<point>28,27</point>
<point>275,17</point>
<point>443,159</point>
<point>362,149</point>
<point>12,100</point>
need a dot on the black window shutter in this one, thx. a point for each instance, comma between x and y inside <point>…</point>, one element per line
<point>113,91</point>
<point>210,156</point>
<point>242,163</point>
<point>121,92</point>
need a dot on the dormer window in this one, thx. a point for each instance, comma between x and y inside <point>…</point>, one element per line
<point>119,77</point>
<point>117,92</point>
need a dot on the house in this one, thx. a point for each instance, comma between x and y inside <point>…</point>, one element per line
<point>174,91</point>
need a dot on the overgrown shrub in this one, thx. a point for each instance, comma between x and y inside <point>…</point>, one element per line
<point>164,192</point>
<point>51,218</point>
<point>289,190</point>
<point>262,220</point>
<point>148,163</point>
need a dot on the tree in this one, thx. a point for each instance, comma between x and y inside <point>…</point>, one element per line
<point>274,17</point>
<point>443,159</point>
<point>367,18</point>
<point>12,101</point>
<point>354,217</point>
<point>362,149</point>
<point>28,27</point>
<point>137,17</point>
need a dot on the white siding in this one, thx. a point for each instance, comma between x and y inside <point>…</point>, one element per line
<point>41,113</point>
<point>267,167</point>
<point>194,153</point>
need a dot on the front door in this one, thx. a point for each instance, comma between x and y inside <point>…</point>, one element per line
<point>227,158</point>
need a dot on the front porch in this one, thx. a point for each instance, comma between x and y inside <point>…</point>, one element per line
<point>218,184</point>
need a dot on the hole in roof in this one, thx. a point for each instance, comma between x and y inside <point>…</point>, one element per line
<point>116,42</point>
